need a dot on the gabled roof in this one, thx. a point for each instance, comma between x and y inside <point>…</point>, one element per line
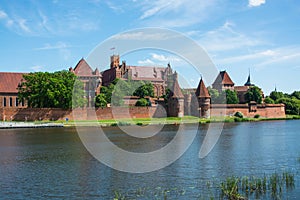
<point>176,90</point>
<point>155,73</point>
<point>201,90</point>
<point>241,88</point>
<point>9,82</point>
<point>83,69</point>
<point>224,79</point>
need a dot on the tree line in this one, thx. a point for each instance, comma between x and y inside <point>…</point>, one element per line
<point>254,93</point>
<point>60,89</point>
<point>291,101</point>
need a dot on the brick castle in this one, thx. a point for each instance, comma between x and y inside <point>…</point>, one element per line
<point>195,102</point>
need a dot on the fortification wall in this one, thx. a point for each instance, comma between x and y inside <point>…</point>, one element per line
<point>264,110</point>
<point>33,114</point>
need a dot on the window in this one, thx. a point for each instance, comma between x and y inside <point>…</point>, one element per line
<point>4,101</point>
<point>22,101</point>
<point>17,102</point>
<point>10,102</point>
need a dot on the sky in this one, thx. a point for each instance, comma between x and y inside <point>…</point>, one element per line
<point>260,36</point>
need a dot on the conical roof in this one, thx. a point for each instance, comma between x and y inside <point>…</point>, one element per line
<point>202,91</point>
<point>176,90</point>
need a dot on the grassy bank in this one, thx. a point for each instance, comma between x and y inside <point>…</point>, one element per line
<point>273,186</point>
<point>167,120</point>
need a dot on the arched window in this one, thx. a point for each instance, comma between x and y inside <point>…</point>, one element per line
<point>10,102</point>
<point>4,101</point>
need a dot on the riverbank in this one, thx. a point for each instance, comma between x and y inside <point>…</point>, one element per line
<point>167,120</point>
<point>9,125</point>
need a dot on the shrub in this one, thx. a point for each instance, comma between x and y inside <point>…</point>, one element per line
<point>139,123</point>
<point>142,102</point>
<point>238,115</point>
<point>256,116</point>
<point>269,100</point>
<point>120,123</point>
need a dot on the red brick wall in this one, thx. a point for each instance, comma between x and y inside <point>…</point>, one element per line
<point>31,114</point>
<point>264,110</point>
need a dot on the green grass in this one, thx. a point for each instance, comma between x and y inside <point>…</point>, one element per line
<point>233,188</point>
<point>166,120</point>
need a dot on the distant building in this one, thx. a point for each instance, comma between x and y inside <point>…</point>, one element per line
<point>9,83</point>
<point>91,80</point>
<point>160,77</point>
<point>223,82</point>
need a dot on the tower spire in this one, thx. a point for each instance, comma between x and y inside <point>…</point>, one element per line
<point>248,83</point>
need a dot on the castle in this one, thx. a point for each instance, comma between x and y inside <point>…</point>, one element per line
<point>196,102</point>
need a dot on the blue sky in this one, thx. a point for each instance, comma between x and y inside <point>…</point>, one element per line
<point>260,35</point>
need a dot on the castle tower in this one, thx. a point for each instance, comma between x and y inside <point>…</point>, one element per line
<point>223,82</point>
<point>203,97</point>
<point>176,99</point>
<point>248,82</point>
<point>114,61</point>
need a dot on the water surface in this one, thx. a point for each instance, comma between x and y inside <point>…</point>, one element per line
<point>53,163</point>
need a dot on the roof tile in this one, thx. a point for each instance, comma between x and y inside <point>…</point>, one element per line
<point>9,82</point>
<point>201,90</point>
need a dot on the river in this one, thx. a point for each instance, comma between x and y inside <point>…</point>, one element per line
<point>53,163</point>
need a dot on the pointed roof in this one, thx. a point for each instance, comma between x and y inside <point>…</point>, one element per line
<point>83,69</point>
<point>224,79</point>
<point>96,72</point>
<point>176,90</point>
<point>248,82</point>
<point>9,82</point>
<point>202,91</point>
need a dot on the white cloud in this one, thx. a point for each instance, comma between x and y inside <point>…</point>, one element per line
<point>58,45</point>
<point>146,62</point>
<point>283,56</point>
<point>141,35</point>
<point>3,14</point>
<point>36,20</point>
<point>62,48</point>
<point>255,3</point>
<point>225,38</point>
<point>175,13</point>
<point>161,60</point>
<point>23,25</point>
<point>37,68</point>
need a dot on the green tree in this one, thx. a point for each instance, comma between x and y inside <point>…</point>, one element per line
<point>144,90</point>
<point>214,94</point>
<point>254,94</point>
<point>51,90</point>
<point>292,106</point>
<point>296,94</point>
<point>78,99</point>
<point>100,101</point>
<point>231,97</point>
<point>117,97</point>
<point>276,95</point>
<point>269,100</point>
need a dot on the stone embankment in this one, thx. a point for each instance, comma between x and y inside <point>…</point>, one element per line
<point>6,125</point>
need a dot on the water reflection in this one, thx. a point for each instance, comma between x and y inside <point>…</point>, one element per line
<point>52,163</point>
